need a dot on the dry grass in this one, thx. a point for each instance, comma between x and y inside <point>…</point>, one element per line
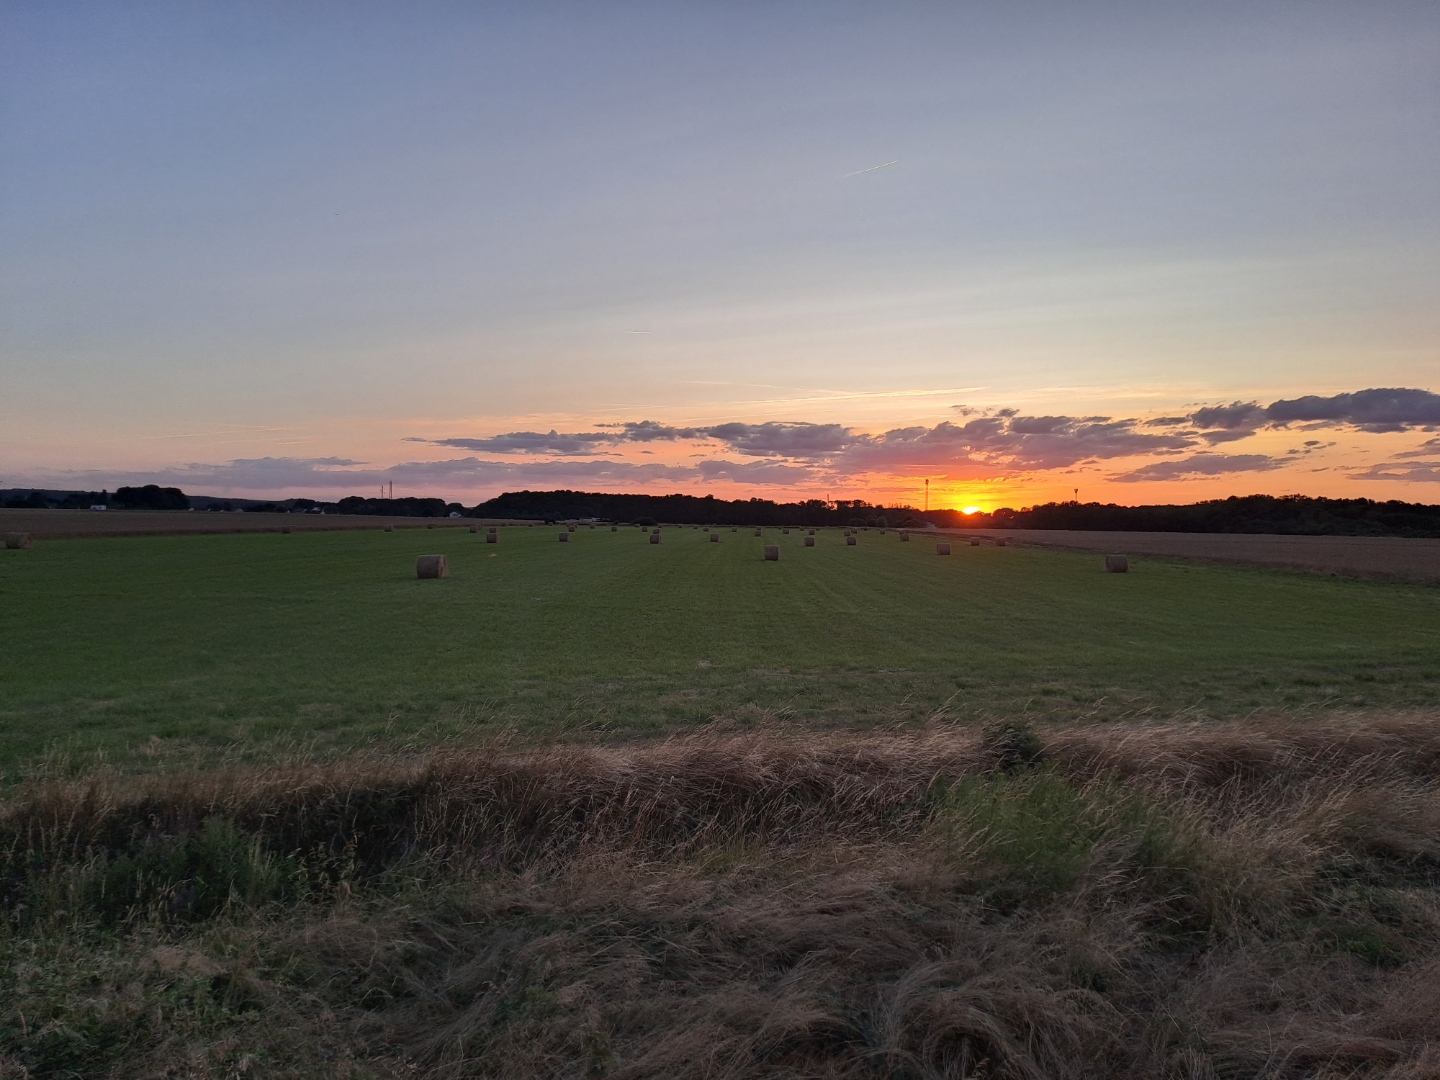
<point>1176,901</point>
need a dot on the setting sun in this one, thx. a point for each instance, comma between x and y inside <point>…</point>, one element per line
<point>971,510</point>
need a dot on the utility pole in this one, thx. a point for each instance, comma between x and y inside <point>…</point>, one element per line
<point>927,495</point>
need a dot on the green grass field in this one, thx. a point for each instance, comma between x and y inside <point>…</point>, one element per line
<point>223,642</point>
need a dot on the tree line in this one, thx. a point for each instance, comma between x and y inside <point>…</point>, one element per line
<point>1293,514</point>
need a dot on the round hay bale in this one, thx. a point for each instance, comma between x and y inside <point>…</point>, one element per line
<point>492,538</point>
<point>429,526</point>
<point>474,528</point>
<point>810,533</point>
<point>850,540</point>
<point>809,541</point>
<point>734,528</point>
<point>565,538</point>
<point>942,549</point>
<point>17,541</point>
<point>389,528</point>
<point>1000,541</point>
<point>714,538</point>
<point>1117,564</point>
<point>904,535</point>
<point>655,537</point>
<point>431,566</point>
<point>570,528</point>
<point>286,530</point>
<point>786,532</point>
<point>614,528</point>
<point>974,541</point>
<point>772,552</point>
<point>757,532</point>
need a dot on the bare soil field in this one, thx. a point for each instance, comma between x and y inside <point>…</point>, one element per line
<point>1404,558</point>
<point>66,524</point>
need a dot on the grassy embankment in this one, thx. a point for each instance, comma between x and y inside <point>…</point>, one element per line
<point>245,642</point>
<point>1166,901</point>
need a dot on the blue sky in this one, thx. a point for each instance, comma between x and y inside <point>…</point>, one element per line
<point>303,248</point>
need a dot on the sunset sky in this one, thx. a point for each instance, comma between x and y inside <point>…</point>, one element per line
<point>1151,251</point>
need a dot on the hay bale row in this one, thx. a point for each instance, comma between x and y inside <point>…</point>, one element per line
<point>431,566</point>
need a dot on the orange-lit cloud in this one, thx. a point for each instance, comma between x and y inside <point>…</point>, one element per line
<point>983,457</point>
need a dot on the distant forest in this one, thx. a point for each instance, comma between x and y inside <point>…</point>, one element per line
<point>1295,514</point>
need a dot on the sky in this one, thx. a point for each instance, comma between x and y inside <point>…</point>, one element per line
<point>1135,252</point>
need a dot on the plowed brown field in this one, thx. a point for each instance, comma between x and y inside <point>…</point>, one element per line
<point>61,524</point>
<point>1406,558</point>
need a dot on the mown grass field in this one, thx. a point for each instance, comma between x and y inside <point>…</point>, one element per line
<point>157,644</point>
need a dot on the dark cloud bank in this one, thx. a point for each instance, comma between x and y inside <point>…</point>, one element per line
<point>1006,441</point>
<point>974,446</point>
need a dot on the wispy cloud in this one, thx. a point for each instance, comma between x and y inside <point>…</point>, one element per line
<point>1201,464</point>
<point>1410,472</point>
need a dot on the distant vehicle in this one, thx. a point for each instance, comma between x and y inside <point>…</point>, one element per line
<point>454,513</point>
<point>99,506</point>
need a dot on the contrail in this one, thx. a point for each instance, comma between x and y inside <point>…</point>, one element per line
<point>871,169</point>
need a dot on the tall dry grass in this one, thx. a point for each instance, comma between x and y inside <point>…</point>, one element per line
<point>1152,901</point>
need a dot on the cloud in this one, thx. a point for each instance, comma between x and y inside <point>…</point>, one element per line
<point>808,441</point>
<point>770,439</point>
<point>530,442</point>
<point>332,474</point>
<point>973,445</point>
<point>1010,441</point>
<point>1201,464</point>
<point>1413,472</point>
<point>755,472</point>
<point>1425,449</point>
<point>1375,410</point>
<point>1236,416</point>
